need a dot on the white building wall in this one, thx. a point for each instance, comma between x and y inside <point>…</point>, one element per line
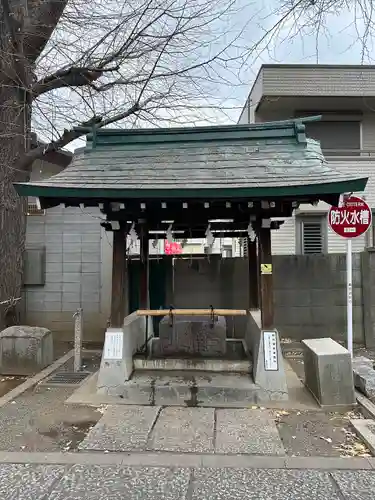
<point>301,80</point>
<point>313,80</point>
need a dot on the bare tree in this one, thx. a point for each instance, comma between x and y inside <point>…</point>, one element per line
<point>69,65</point>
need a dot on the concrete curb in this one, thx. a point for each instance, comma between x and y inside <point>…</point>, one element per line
<point>189,460</point>
<point>365,405</point>
<point>30,382</point>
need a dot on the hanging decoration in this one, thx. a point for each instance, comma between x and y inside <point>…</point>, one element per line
<point>169,234</point>
<point>251,232</point>
<point>209,236</point>
<point>133,235</point>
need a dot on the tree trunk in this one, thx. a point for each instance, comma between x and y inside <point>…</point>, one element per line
<point>14,141</point>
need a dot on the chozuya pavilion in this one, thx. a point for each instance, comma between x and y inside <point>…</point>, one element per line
<point>238,179</point>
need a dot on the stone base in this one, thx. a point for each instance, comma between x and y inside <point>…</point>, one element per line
<point>268,372</point>
<point>25,350</point>
<point>191,388</point>
<point>328,372</point>
<point>192,335</point>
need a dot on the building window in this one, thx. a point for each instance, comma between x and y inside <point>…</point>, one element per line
<point>337,136</point>
<point>227,251</point>
<point>311,235</point>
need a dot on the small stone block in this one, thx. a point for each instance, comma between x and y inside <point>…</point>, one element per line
<point>25,350</point>
<point>364,376</point>
<point>192,335</point>
<point>328,372</point>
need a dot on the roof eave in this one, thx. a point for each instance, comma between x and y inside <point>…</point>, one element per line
<point>66,193</point>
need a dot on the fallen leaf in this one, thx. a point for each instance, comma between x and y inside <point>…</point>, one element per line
<point>328,440</point>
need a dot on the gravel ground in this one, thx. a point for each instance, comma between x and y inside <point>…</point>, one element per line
<point>39,419</point>
<point>311,433</point>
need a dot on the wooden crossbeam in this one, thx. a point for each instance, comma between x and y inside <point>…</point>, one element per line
<point>192,312</point>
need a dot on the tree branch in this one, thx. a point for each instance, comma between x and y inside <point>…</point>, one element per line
<point>70,77</point>
<point>74,133</point>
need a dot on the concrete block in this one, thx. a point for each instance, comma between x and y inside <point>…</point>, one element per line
<point>90,296</point>
<point>52,257</point>
<point>91,256</point>
<point>71,238</point>
<point>54,277</point>
<point>328,372</point>
<point>72,257</point>
<point>72,267</point>
<point>25,350</point>
<point>71,277</point>
<point>52,297</point>
<point>364,376</point>
<point>91,267</point>
<point>52,306</point>
<point>71,287</point>
<point>90,306</point>
<point>71,297</point>
<point>72,247</point>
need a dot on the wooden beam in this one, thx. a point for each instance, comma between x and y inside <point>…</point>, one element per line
<point>266,281</point>
<point>119,295</point>
<point>253,274</point>
<point>192,312</point>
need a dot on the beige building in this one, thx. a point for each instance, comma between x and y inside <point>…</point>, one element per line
<point>345,98</point>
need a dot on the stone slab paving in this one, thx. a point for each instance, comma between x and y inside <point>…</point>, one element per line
<point>247,431</point>
<point>184,430</point>
<point>122,428</point>
<point>356,485</point>
<point>22,482</point>
<point>256,484</point>
<point>119,483</point>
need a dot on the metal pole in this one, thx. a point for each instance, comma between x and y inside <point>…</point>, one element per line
<point>349,295</point>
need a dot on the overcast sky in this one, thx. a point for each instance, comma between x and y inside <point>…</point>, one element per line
<point>338,43</point>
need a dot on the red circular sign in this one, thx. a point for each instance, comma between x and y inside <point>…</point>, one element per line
<point>352,219</point>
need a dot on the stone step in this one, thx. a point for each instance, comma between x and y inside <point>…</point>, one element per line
<point>193,388</point>
<point>194,364</point>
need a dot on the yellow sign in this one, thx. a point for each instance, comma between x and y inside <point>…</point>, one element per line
<point>266,268</point>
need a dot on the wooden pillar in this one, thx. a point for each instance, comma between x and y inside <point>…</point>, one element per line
<point>119,295</point>
<point>266,282</point>
<point>144,297</point>
<point>253,274</point>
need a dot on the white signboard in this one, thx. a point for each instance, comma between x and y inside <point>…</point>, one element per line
<point>113,344</point>
<point>271,363</point>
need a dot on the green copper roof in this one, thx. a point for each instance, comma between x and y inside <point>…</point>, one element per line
<point>268,159</point>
